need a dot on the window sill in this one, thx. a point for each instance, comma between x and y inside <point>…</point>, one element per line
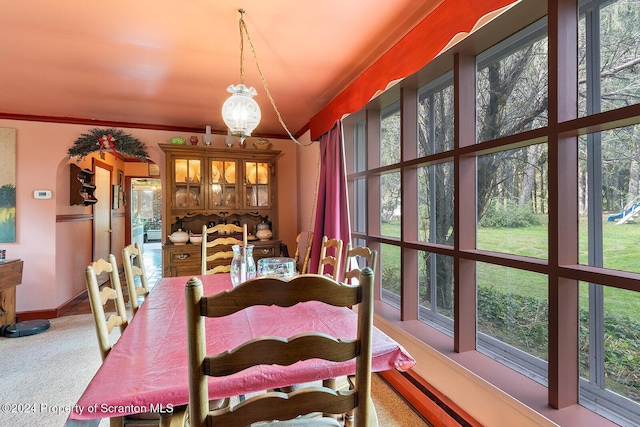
<point>485,389</point>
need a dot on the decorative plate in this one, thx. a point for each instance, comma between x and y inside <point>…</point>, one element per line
<point>263,176</point>
<point>186,174</point>
<point>215,174</point>
<point>230,174</point>
<point>186,198</point>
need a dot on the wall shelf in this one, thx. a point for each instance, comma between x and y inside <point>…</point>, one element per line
<point>81,186</point>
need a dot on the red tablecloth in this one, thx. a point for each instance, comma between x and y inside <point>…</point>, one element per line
<point>147,368</point>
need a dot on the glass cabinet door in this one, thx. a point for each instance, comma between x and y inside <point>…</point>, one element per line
<point>257,184</point>
<point>223,177</point>
<point>187,183</point>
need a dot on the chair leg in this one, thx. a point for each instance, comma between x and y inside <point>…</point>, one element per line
<point>177,418</point>
<point>332,384</point>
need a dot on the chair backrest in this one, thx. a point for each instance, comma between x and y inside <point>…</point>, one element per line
<point>304,240</point>
<point>210,249</point>
<point>133,262</point>
<point>280,350</point>
<point>332,260</point>
<point>98,299</point>
<point>355,259</point>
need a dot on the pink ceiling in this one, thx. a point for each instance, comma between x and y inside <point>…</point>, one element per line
<point>167,64</point>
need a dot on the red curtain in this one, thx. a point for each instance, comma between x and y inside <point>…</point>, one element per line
<point>332,208</point>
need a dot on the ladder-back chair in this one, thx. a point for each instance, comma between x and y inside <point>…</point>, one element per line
<point>303,406</point>
<point>209,251</point>
<point>98,298</point>
<point>304,240</point>
<point>133,263</point>
<point>356,258</point>
<point>332,260</point>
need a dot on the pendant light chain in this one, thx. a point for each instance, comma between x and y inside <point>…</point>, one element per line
<point>245,30</point>
<point>240,25</point>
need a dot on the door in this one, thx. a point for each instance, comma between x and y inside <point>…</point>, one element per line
<point>102,213</point>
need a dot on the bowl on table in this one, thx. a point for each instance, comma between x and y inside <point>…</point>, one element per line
<point>277,267</point>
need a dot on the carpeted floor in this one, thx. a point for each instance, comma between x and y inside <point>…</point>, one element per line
<point>47,372</point>
<point>44,374</point>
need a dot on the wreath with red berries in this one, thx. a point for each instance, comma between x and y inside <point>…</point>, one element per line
<point>113,140</point>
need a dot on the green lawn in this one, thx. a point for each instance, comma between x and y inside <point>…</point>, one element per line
<point>512,300</point>
<point>621,252</point>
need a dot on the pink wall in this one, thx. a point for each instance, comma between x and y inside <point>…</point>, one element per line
<point>308,158</point>
<point>56,253</point>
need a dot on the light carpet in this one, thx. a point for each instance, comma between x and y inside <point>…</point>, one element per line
<point>44,374</point>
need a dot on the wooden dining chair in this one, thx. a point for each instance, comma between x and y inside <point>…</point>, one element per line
<point>98,299</point>
<point>332,260</point>
<point>356,258</point>
<point>278,409</point>
<point>211,249</point>
<point>304,240</point>
<point>134,271</point>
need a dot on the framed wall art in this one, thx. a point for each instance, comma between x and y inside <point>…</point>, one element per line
<point>7,185</point>
<point>154,169</point>
<point>116,197</point>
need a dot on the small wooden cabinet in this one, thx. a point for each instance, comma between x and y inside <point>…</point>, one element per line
<point>81,186</point>
<point>207,186</point>
<point>10,277</point>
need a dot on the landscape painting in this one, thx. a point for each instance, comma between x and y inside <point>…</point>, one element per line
<point>7,185</point>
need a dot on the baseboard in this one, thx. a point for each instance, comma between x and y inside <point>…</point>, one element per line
<point>52,313</point>
<point>436,408</point>
<point>36,315</point>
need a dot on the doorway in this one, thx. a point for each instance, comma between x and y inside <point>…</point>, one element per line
<point>102,213</point>
<point>145,210</point>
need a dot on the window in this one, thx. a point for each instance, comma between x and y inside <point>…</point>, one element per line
<point>609,48</point>
<point>390,136</point>
<point>512,320</point>
<point>435,116</point>
<point>389,262</point>
<point>435,203</point>
<point>435,279</point>
<point>526,227</point>
<point>607,171</point>
<point>512,201</point>
<point>609,161</point>
<point>390,199</point>
<point>512,85</point>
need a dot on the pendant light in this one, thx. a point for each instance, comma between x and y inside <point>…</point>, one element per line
<point>241,112</point>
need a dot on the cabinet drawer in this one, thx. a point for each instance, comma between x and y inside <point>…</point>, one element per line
<point>264,252</point>
<point>184,257</point>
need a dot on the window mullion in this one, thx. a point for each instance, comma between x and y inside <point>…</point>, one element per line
<point>594,197</point>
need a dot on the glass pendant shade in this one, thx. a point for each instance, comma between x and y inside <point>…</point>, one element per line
<point>241,112</point>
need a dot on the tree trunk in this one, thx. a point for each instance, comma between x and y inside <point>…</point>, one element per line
<point>529,176</point>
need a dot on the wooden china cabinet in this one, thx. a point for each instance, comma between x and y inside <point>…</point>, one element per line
<point>208,186</point>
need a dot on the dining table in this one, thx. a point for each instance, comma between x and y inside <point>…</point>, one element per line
<point>146,370</point>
